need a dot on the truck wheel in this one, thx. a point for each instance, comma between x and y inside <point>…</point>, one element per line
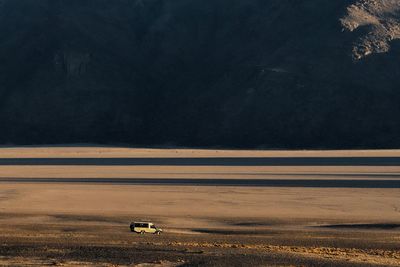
<point>142,232</point>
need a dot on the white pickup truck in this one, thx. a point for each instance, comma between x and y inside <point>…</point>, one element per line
<point>145,227</point>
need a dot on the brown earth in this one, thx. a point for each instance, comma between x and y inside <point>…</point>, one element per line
<point>86,222</point>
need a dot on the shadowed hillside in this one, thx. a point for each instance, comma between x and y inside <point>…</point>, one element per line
<point>237,73</point>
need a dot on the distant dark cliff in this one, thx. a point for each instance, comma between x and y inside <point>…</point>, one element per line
<point>228,73</point>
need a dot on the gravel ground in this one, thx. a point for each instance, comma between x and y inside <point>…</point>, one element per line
<point>102,242</point>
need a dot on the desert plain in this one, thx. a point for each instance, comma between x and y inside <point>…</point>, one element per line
<point>72,206</point>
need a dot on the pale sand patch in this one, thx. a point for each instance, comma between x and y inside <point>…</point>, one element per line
<point>117,152</point>
<point>180,203</point>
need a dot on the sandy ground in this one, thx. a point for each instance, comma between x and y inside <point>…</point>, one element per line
<point>86,222</point>
<point>116,152</point>
<point>178,202</point>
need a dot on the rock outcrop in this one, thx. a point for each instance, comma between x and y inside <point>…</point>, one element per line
<point>73,64</point>
<point>381,18</point>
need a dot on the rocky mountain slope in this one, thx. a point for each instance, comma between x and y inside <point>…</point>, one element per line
<point>237,73</point>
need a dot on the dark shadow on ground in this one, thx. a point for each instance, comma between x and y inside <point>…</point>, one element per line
<point>235,232</point>
<point>383,226</point>
<point>216,182</point>
<point>258,161</point>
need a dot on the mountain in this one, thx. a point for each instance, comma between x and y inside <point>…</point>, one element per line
<point>226,73</point>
